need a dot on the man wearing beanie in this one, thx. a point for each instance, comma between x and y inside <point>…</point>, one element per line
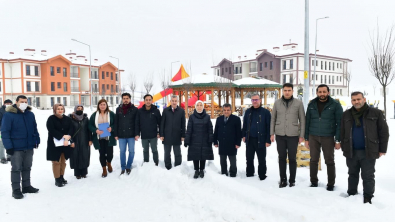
<point>3,158</point>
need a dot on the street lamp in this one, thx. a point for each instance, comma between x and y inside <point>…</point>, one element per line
<point>90,68</point>
<point>315,53</point>
<point>119,74</point>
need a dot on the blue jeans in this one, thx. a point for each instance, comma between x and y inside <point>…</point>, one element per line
<point>122,146</point>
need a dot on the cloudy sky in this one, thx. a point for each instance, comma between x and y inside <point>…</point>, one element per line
<point>148,35</point>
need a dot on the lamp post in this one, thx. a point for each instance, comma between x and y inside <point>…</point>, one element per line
<point>315,52</point>
<point>306,90</point>
<point>90,68</point>
<point>119,74</point>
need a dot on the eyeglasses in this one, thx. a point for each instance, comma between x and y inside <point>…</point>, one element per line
<point>254,100</point>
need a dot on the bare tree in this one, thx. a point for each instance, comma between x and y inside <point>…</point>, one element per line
<point>165,82</point>
<point>131,83</point>
<point>347,77</point>
<point>148,83</point>
<point>381,60</point>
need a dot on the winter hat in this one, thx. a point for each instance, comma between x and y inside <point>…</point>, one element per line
<point>199,101</point>
<point>7,101</point>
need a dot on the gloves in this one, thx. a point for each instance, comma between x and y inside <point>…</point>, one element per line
<point>10,152</point>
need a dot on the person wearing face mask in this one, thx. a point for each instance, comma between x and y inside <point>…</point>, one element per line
<point>3,158</point>
<point>364,137</point>
<point>199,137</point>
<point>20,135</point>
<point>82,142</point>
<point>59,127</point>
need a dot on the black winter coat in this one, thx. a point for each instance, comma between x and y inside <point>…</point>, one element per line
<point>375,129</point>
<point>199,137</point>
<point>80,157</point>
<point>263,126</point>
<point>227,135</point>
<point>124,125</point>
<point>2,112</point>
<point>172,126</point>
<point>148,122</point>
<point>57,128</point>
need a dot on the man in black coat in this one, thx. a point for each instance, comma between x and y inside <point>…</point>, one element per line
<point>3,158</point>
<point>148,123</point>
<point>228,134</point>
<point>364,138</point>
<point>124,131</point>
<point>256,135</point>
<point>172,131</point>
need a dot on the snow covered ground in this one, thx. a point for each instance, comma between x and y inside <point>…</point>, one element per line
<point>153,193</point>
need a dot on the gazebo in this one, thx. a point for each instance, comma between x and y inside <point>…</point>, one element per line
<point>196,87</point>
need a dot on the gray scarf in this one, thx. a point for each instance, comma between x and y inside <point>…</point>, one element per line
<point>78,117</point>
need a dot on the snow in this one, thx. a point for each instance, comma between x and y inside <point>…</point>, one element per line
<point>153,193</point>
<point>254,81</point>
<point>201,78</point>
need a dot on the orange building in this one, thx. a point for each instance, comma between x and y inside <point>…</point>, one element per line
<point>47,80</point>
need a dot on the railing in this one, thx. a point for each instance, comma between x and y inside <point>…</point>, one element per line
<point>75,89</point>
<point>95,76</point>
<point>74,75</point>
<point>74,103</point>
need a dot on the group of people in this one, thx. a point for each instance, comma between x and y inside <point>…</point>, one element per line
<point>361,132</point>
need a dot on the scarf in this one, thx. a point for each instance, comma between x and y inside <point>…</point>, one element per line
<point>55,107</point>
<point>78,117</point>
<point>199,101</point>
<point>125,108</point>
<point>287,100</point>
<point>357,114</point>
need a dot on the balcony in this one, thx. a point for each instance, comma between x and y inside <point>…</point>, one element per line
<point>74,75</point>
<point>75,89</point>
<point>74,102</point>
<point>95,76</point>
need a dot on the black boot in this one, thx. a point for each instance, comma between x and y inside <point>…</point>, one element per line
<point>201,173</point>
<point>122,172</point>
<point>196,174</point>
<point>314,185</point>
<point>59,182</point>
<point>330,188</point>
<point>128,171</point>
<point>367,199</point>
<point>17,194</point>
<point>291,184</point>
<point>283,183</point>
<point>29,189</point>
<point>63,180</point>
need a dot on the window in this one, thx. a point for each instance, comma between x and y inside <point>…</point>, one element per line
<point>337,78</point>
<point>271,77</point>
<point>337,91</point>
<point>96,77</point>
<point>57,69</point>
<point>108,86</point>
<point>112,76</point>
<point>222,71</point>
<point>103,87</point>
<point>271,65</point>
<point>236,71</point>
<point>340,78</point>
<point>65,101</point>
<point>37,86</point>
<point>27,70</point>
<point>333,66</point>
<point>59,85</point>
<point>322,65</point>
<point>253,67</point>
<point>38,104</point>
<point>230,70</point>
<point>291,78</point>
<point>29,101</point>
<point>284,79</point>
<point>65,86</point>
<point>321,78</point>
<point>106,74</point>
<point>260,66</point>
<point>102,74</point>
<point>312,62</point>
<point>217,72</point>
<point>52,101</point>
<point>341,68</point>
<point>52,71</point>
<point>265,64</point>
<point>226,69</point>
<point>58,99</point>
<point>36,70</point>
<point>337,65</point>
<point>112,88</point>
<point>117,99</point>
<point>291,64</point>
<point>240,69</point>
<point>341,92</point>
<point>112,100</point>
<point>0,88</point>
<point>329,65</point>
<point>333,79</point>
<point>52,86</point>
<point>325,79</point>
<point>116,89</point>
<point>116,77</point>
<point>284,65</point>
<point>316,77</point>
<point>28,87</point>
<point>316,62</point>
<point>64,72</point>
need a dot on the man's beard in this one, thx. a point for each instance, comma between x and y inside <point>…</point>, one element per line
<point>359,106</point>
<point>323,99</point>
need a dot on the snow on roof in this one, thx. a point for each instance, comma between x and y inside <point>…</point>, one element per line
<point>254,81</point>
<point>201,79</point>
<point>35,56</point>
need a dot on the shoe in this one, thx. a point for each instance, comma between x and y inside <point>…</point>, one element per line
<point>330,188</point>
<point>9,159</point>
<point>201,173</point>
<point>78,177</point>
<point>196,174</point>
<point>233,175</point>
<point>84,176</point>
<point>226,174</point>
<point>29,189</point>
<point>283,184</point>
<point>314,185</point>
<point>263,177</point>
<point>104,174</point>
<point>63,180</point>
<point>109,167</point>
<point>3,161</point>
<point>128,171</point>
<point>122,172</point>
<point>59,182</point>
<point>156,164</point>
<point>17,194</point>
<point>367,199</point>
<point>291,184</point>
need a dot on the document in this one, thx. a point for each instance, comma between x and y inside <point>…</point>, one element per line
<point>103,127</point>
<point>59,142</point>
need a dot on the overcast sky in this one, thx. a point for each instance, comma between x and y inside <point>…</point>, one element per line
<point>148,35</point>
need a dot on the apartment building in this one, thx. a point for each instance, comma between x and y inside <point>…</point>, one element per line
<point>47,80</point>
<point>286,65</point>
